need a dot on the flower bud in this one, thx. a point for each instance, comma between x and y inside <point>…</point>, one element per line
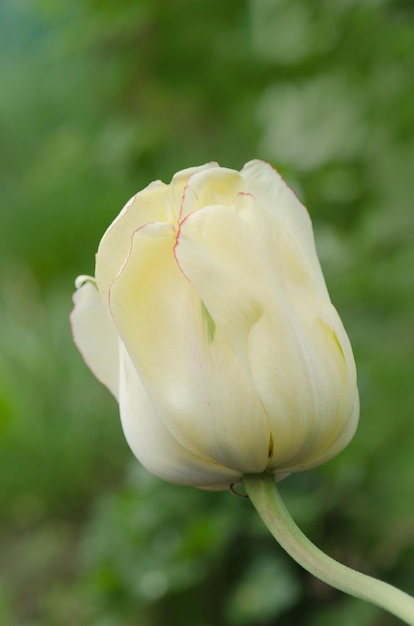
<point>209,320</point>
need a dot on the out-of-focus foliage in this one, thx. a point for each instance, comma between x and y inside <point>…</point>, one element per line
<point>97,99</point>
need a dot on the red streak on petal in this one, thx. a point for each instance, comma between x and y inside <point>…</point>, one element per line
<point>246,193</point>
<point>131,245</point>
<point>177,241</point>
<point>185,190</point>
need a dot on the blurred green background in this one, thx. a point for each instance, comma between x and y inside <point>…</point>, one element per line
<point>97,99</point>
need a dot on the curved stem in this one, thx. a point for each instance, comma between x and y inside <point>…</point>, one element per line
<point>263,493</point>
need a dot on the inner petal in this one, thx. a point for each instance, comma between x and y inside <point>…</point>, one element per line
<point>216,185</point>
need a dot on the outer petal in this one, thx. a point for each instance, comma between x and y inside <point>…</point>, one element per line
<point>95,334</point>
<point>260,293</point>
<point>153,444</point>
<point>276,197</point>
<point>156,203</point>
<point>320,330</point>
<point>201,393</point>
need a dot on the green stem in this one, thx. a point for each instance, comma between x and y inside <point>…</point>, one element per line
<point>263,493</point>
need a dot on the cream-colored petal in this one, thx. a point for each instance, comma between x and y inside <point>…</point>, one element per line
<point>276,197</point>
<point>322,329</point>
<point>322,403</point>
<point>218,254</point>
<point>246,300</point>
<point>95,334</point>
<point>332,332</point>
<point>158,202</point>
<point>149,205</point>
<point>270,316</point>
<point>203,396</point>
<point>153,444</point>
<point>215,185</point>
<point>334,446</point>
<point>181,178</point>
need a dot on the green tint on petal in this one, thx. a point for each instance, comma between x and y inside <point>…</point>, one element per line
<point>210,323</point>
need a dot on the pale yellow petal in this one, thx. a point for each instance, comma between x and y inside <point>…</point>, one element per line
<point>158,202</point>
<point>319,392</point>
<point>215,185</point>
<point>94,334</point>
<point>154,445</point>
<point>203,396</point>
<point>228,267</point>
<point>259,292</point>
<point>149,205</point>
<point>276,197</point>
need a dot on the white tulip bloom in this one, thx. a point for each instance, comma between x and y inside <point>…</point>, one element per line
<point>210,322</point>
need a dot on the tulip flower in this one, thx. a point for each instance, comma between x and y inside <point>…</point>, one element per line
<point>210,322</point>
